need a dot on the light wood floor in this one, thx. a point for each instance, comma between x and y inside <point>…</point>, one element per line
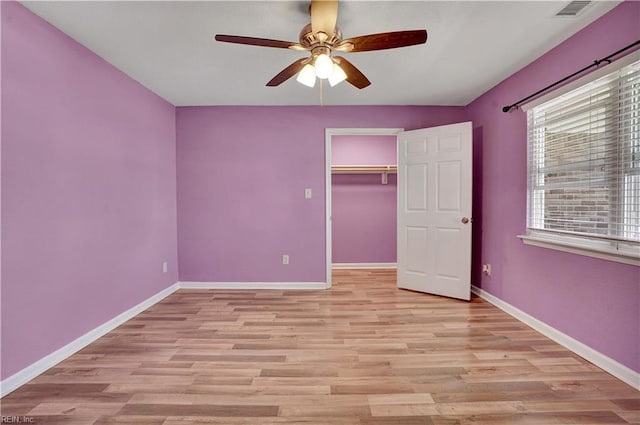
<point>362,353</point>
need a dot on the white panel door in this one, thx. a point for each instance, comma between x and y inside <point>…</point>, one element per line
<point>434,210</point>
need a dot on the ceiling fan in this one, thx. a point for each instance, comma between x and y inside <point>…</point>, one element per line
<point>322,38</point>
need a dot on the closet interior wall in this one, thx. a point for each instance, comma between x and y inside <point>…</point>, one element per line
<point>363,196</point>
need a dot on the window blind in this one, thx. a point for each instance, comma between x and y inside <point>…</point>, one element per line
<point>584,160</point>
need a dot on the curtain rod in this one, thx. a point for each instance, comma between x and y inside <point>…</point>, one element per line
<point>550,86</point>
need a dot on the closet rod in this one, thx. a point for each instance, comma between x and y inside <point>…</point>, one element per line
<point>550,86</point>
<point>364,169</point>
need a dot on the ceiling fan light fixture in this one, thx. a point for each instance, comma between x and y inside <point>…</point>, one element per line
<point>337,76</point>
<point>322,38</point>
<point>323,66</point>
<point>307,76</point>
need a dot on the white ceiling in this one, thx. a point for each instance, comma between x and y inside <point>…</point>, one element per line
<point>168,46</point>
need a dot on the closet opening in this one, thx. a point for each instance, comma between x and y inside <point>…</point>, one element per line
<point>361,198</point>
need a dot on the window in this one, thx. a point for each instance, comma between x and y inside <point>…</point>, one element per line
<point>584,165</point>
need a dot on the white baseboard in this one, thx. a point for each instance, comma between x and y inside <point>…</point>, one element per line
<point>28,373</point>
<point>340,266</point>
<point>606,363</point>
<point>252,285</point>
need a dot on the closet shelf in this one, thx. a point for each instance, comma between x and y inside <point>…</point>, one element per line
<point>363,169</point>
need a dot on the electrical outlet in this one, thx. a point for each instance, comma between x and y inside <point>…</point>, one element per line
<point>285,259</point>
<point>486,269</point>
<point>165,267</point>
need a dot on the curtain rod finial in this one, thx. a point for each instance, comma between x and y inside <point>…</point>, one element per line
<point>506,108</point>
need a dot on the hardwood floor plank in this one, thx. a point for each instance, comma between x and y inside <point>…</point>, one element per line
<point>372,389</point>
<point>407,409</point>
<point>227,358</point>
<point>397,420</point>
<point>632,417</point>
<point>130,420</point>
<point>297,420</point>
<point>75,408</point>
<point>400,398</point>
<point>299,372</point>
<point>198,410</point>
<point>324,410</point>
<point>590,418</point>
<point>361,353</point>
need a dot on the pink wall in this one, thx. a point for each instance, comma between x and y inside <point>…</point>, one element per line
<point>88,190</point>
<point>363,210</point>
<point>364,150</point>
<point>363,213</point>
<point>596,302</point>
<point>242,172</point>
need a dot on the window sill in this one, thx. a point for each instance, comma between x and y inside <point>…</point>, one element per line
<point>626,257</point>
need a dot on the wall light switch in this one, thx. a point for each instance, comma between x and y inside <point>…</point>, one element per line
<point>307,193</point>
<point>285,259</point>
<point>165,267</point>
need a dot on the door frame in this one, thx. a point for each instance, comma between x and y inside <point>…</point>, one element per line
<point>329,133</point>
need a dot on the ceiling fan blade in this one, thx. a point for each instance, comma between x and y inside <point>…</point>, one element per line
<point>354,76</point>
<point>382,41</point>
<point>288,72</point>
<point>253,41</point>
<point>324,14</point>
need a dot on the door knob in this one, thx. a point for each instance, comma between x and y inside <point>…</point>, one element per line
<point>465,220</point>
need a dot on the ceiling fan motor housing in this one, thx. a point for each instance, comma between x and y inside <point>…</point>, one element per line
<point>312,40</point>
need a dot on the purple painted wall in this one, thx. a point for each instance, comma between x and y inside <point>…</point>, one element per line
<point>242,172</point>
<point>363,213</point>
<point>596,302</point>
<point>363,210</point>
<point>364,150</point>
<point>88,190</point>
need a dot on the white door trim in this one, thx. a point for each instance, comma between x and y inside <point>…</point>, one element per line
<point>330,132</point>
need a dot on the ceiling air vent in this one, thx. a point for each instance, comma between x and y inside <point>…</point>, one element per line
<point>573,8</point>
